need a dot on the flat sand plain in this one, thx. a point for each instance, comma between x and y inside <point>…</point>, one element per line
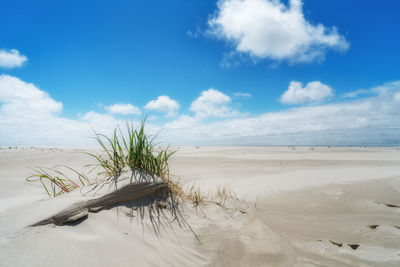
<point>298,206</point>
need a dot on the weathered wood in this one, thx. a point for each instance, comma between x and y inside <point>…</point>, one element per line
<point>79,210</point>
<point>82,214</point>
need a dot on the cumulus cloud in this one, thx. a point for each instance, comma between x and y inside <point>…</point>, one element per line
<point>11,58</point>
<point>163,104</point>
<point>212,103</point>
<point>269,29</point>
<point>19,98</point>
<point>313,92</point>
<point>372,120</point>
<point>30,116</point>
<point>368,121</point>
<point>124,109</point>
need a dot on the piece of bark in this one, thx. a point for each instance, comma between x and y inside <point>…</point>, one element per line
<point>80,215</point>
<point>129,192</point>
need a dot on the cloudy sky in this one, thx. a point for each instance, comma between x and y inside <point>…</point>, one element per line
<point>221,72</point>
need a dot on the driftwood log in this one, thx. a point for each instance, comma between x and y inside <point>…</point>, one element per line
<point>130,192</point>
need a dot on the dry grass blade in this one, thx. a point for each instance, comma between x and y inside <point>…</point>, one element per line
<point>194,195</point>
<point>53,181</point>
<point>223,194</point>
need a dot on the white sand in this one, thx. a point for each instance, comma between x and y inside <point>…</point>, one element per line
<point>297,201</point>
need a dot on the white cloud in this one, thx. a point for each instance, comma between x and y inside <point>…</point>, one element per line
<point>269,29</point>
<point>241,94</point>
<point>29,116</point>
<point>313,92</point>
<point>389,86</point>
<point>163,104</point>
<point>11,58</point>
<point>93,116</point>
<point>124,109</point>
<point>212,103</point>
<point>372,120</point>
<point>356,93</point>
<point>19,98</point>
<point>369,121</point>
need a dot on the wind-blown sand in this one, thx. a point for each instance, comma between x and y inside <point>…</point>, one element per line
<point>299,207</point>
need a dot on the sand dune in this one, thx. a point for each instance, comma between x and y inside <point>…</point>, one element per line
<point>298,207</point>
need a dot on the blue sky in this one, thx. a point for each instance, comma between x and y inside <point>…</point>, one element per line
<point>227,72</point>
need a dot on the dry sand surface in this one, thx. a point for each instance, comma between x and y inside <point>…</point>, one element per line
<point>298,206</point>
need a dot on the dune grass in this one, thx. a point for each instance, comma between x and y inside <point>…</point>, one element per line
<point>133,149</point>
<point>130,149</point>
<point>220,196</point>
<point>194,195</point>
<point>55,182</point>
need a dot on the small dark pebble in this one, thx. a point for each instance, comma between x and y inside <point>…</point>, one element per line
<point>373,226</point>
<point>354,246</point>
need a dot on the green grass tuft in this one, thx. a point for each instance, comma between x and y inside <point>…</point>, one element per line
<point>134,150</point>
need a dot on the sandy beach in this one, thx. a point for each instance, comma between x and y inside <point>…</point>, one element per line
<point>200,133</point>
<point>296,206</point>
